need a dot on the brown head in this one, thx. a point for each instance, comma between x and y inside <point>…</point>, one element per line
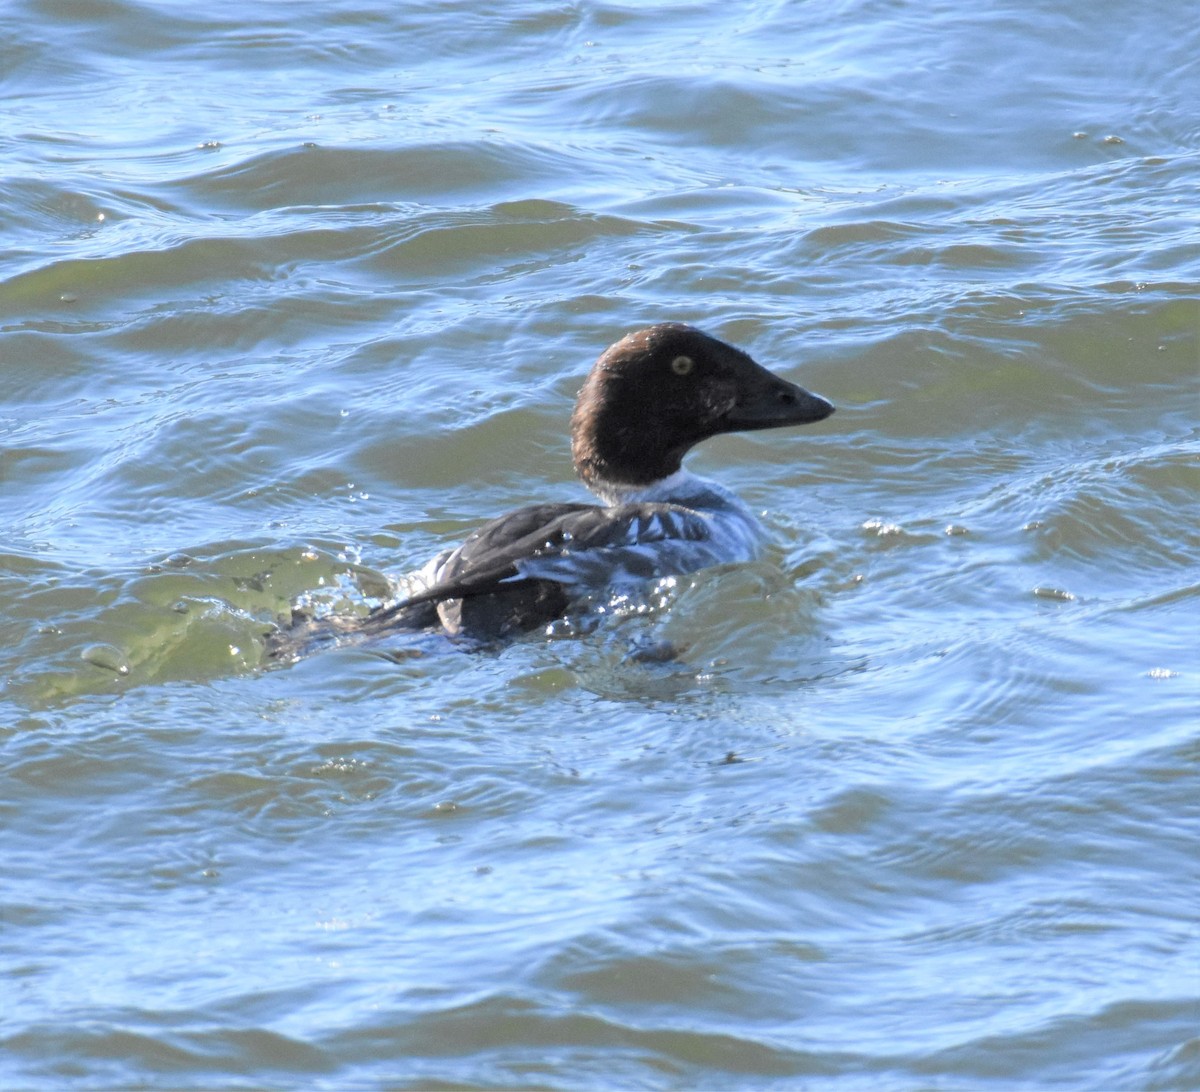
<point>658,392</point>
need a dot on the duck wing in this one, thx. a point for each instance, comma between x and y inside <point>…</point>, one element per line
<point>522,569</point>
<point>578,544</point>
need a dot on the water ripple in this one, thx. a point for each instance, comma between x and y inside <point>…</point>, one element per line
<point>288,304</point>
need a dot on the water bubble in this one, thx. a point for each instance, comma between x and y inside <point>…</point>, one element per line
<point>1059,595</point>
<point>107,657</point>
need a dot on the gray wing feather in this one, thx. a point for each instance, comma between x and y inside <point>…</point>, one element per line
<point>572,545</point>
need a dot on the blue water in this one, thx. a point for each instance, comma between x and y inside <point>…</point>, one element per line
<point>294,296</point>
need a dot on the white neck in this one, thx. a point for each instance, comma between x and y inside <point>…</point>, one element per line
<point>672,487</point>
<point>682,487</point>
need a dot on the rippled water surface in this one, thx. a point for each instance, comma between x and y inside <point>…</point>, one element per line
<point>294,295</point>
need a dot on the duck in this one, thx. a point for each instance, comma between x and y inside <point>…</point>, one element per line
<point>649,399</point>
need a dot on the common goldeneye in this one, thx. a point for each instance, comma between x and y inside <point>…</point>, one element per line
<point>648,400</point>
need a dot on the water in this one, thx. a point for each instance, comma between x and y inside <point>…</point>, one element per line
<point>292,296</point>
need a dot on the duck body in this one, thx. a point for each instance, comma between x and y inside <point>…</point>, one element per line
<point>648,400</point>
<point>527,567</point>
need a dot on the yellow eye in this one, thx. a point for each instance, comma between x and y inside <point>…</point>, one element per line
<point>681,365</point>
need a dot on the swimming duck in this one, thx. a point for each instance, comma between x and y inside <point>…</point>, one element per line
<point>648,400</point>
